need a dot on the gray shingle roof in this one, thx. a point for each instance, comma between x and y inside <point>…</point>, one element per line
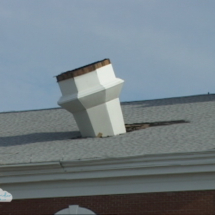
<point>46,135</point>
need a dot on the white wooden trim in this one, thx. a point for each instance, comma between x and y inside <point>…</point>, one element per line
<point>151,173</point>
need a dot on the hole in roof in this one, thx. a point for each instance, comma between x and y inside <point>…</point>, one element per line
<point>138,126</point>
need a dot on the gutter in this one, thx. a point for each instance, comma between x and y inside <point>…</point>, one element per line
<point>177,172</point>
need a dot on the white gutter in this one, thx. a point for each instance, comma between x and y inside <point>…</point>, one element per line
<point>151,173</point>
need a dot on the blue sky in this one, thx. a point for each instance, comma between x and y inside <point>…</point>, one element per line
<point>161,48</point>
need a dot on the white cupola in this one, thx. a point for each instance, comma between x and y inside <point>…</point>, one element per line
<point>91,94</point>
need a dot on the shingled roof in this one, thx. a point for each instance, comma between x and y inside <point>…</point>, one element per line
<point>52,134</point>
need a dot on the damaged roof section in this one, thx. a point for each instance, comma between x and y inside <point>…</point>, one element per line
<point>51,135</point>
<point>138,126</point>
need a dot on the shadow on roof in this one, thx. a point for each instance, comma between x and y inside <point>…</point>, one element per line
<point>37,138</point>
<point>173,101</point>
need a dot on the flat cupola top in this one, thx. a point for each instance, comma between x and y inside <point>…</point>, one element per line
<point>82,70</point>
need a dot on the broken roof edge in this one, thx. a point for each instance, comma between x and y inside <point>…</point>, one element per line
<point>82,70</point>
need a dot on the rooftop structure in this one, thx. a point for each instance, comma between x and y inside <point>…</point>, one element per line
<point>91,94</point>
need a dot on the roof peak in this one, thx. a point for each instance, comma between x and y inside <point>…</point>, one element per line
<point>123,102</point>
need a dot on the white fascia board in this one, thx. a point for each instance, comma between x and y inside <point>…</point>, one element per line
<point>151,173</point>
<point>142,165</point>
<point>30,169</point>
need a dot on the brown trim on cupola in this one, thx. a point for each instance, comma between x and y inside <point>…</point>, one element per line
<point>82,70</point>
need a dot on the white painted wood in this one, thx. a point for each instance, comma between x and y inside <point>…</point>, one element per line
<point>117,119</point>
<point>86,81</point>
<point>68,87</point>
<point>106,74</point>
<point>143,174</point>
<point>91,98</point>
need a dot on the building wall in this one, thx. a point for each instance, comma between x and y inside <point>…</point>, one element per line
<point>174,203</point>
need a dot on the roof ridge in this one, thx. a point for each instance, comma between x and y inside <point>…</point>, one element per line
<point>177,97</point>
<point>122,102</point>
<point>18,111</point>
